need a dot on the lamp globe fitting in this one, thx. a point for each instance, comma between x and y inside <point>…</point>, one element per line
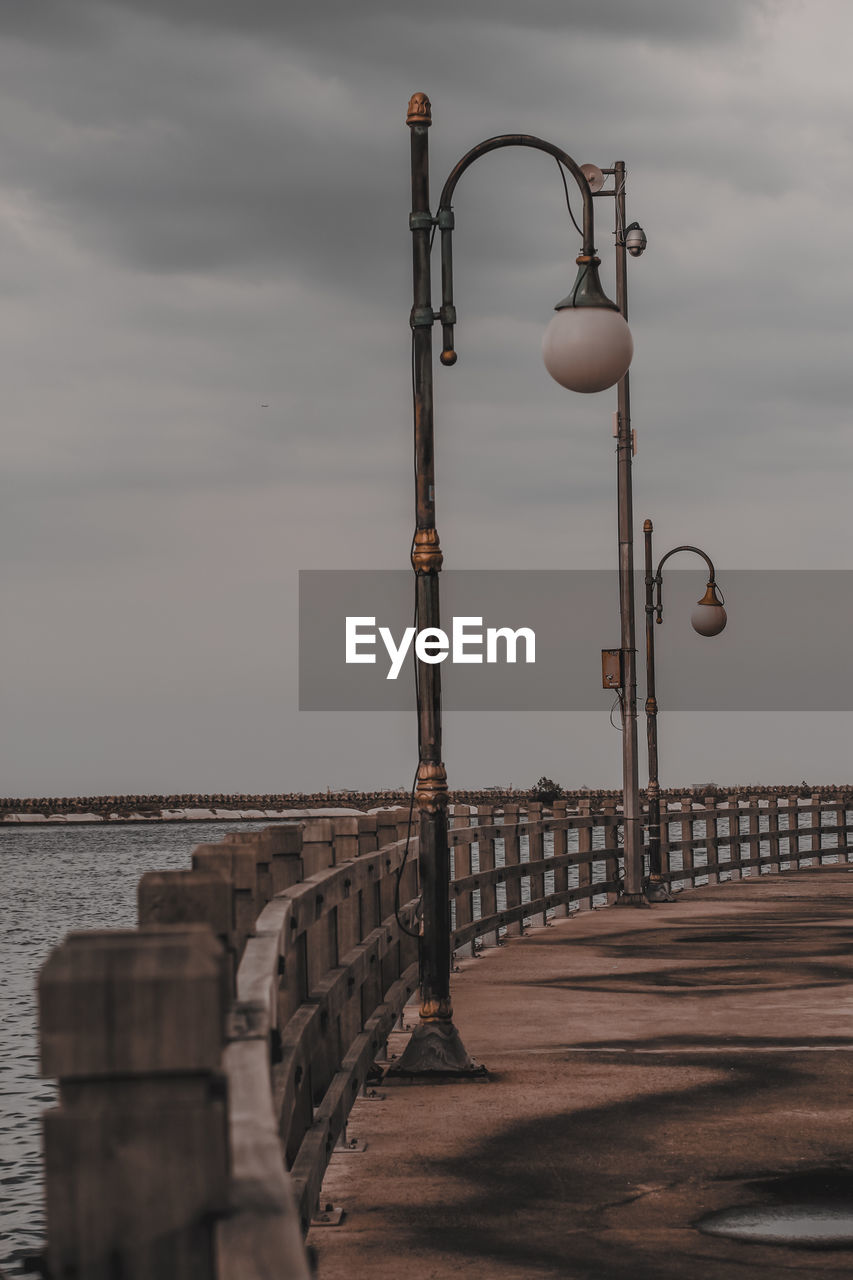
<point>587,346</point>
<point>709,617</point>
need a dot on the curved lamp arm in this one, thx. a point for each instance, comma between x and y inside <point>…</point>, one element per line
<point>445,219</point>
<point>658,579</point>
<point>539,144</point>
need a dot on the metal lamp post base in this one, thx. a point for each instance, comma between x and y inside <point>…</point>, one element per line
<point>657,891</point>
<point>631,900</point>
<point>435,1051</point>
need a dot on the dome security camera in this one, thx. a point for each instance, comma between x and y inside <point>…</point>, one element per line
<point>635,239</point>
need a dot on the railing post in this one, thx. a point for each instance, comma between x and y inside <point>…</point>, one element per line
<point>277,856</point>
<point>348,916</point>
<point>817,825</point>
<point>401,817</point>
<point>317,845</point>
<point>585,852</point>
<point>237,863</point>
<point>561,846</point>
<point>665,868</point>
<point>687,859</point>
<point>753,839</point>
<point>461,854</point>
<point>285,842</point>
<point>136,1153</point>
<point>345,838</point>
<point>392,963</point>
<point>734,836</point>
<point>488,892</point>
<point>321,941</point>
<point>712,852</point>
<point>783,806</point>
<point>367,833</point>
<point>351,933</point>
<point>535,853</point>
<point>387,885</point>
<point>794,829</point>
<point>512,857</point>
<point>263,867</point>
<point>611,848</point>
<point>773,833</point>
<point>409,878</point>
<point>386,827</point>
<point>841,837</point>
<point>191,897</point>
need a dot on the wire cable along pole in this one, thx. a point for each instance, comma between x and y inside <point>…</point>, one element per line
<point>587,347</point>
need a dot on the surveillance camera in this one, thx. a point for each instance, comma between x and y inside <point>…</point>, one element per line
<point>635,239</point>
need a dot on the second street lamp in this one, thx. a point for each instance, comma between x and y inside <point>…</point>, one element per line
<point>588,348</point>
<point>708,619</point>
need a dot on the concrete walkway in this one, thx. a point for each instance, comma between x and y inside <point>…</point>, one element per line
<point>648,1067</point>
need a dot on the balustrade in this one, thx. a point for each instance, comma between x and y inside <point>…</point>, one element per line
<point>208,1061</point>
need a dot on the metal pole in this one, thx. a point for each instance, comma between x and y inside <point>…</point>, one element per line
<point>656,891</point>
<point>633,847</point>
<point>435,1046</point>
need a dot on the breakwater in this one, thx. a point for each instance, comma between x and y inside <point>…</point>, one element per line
<point>219,806</point>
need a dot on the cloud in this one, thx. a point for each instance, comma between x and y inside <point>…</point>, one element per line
<point>203,209</point>
<point>327,21</point>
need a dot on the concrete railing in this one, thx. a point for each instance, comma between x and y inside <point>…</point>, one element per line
<point>702,841</point>
<point>740,836</point>
<point>531,882</point>
<point>208,1061</point>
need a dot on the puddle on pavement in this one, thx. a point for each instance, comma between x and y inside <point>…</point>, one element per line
<point>809,1209</point>
<point>804,1226</point>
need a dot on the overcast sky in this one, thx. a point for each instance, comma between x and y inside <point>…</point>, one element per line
<point>203,211</point>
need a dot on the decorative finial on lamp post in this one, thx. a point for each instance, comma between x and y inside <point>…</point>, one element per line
<point>420,110</point>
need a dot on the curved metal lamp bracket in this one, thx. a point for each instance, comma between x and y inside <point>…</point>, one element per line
<point>445,220</point>
<point>659,574</point>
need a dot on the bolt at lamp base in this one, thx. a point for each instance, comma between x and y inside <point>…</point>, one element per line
<point>435,1051</point>
<point>657,891</point>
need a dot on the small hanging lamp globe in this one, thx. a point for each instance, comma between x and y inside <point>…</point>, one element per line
<point>587,345</point>
<point>709,616</point>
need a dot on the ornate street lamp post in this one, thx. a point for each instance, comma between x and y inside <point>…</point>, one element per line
<point>587,347</point>
<point>708,619</point>
<point>628,240</point>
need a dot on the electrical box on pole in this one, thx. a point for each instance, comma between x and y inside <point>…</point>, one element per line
<point>612,672</point>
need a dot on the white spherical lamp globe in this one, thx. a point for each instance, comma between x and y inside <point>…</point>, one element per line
<point>587,348</point>
<point>708,619</point>
<point>709,616</point>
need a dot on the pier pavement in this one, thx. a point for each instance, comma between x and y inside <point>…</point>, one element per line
<point>648,1067</point>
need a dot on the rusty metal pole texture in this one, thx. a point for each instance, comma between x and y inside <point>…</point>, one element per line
<point>435,1047</point>
<point>632,893</point>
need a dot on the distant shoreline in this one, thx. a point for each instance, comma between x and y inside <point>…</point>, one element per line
<point>12,820</point>
<point>103,810</point>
